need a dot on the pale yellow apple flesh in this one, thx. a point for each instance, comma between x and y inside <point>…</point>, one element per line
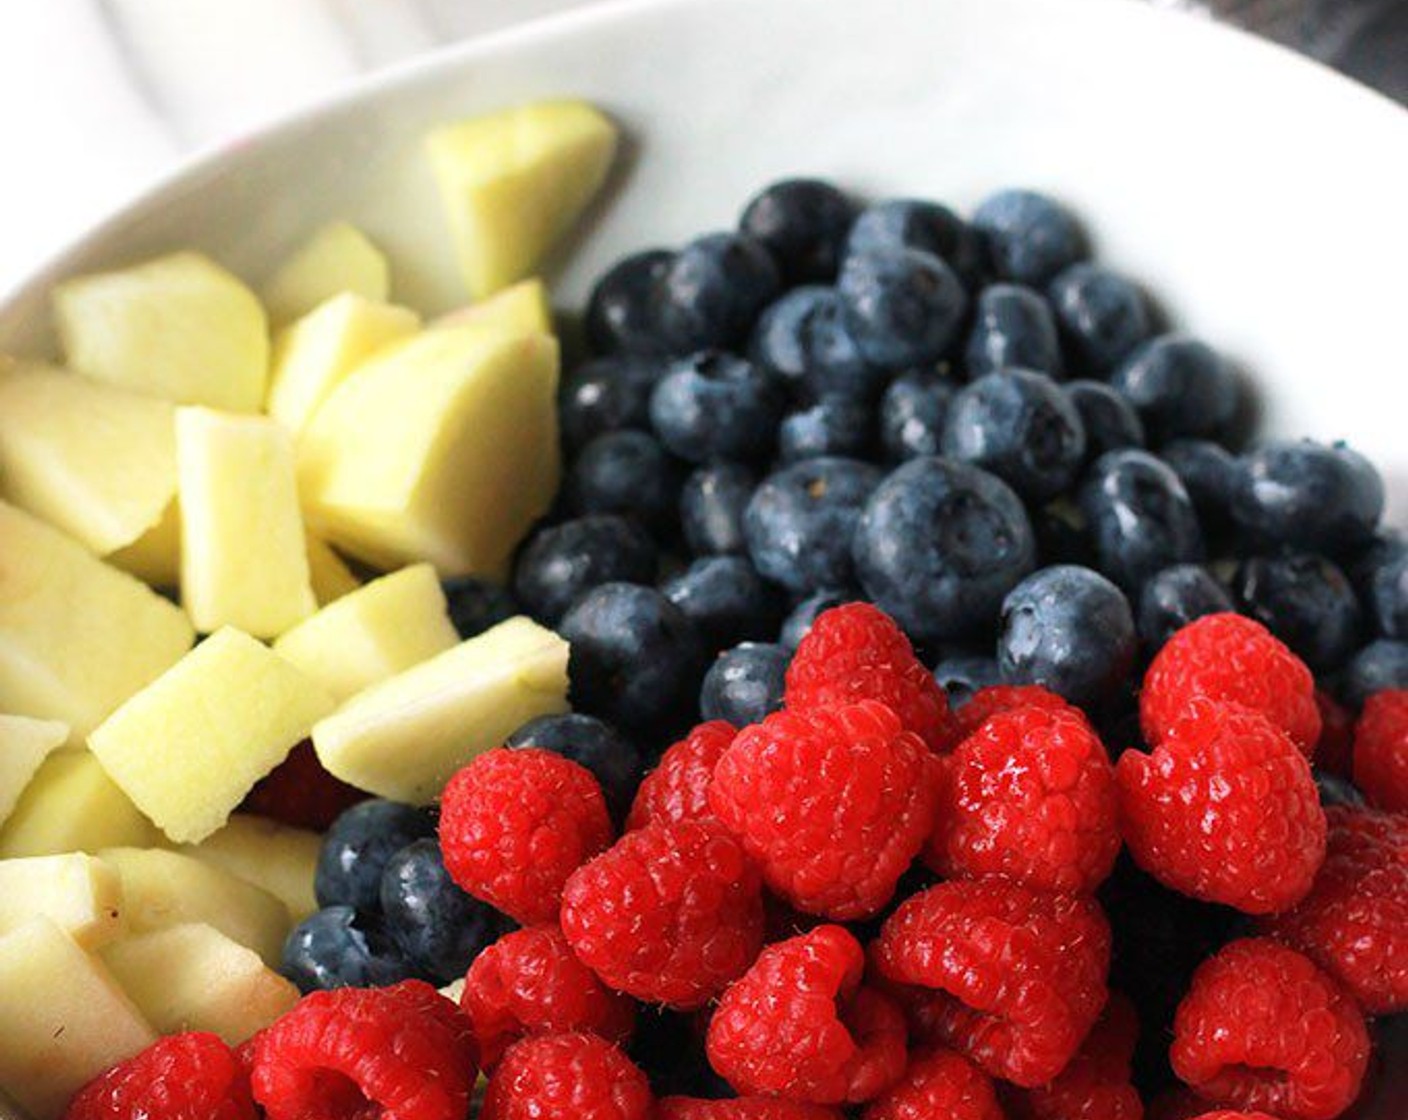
<point>274,857</point>
<point>337,258</point>
<point>73,806</point>
<point>24,745</point>
<point>79,893</point>
<point>329,574</point>
<point>155,556</point>
<point>519,307</point>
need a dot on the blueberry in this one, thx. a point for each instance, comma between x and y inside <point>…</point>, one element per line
<point>1379,665</point>
<point>1110,422</point>
<point>439,928</point>
<point>964,675</point>
<point>803,338</point>
<point>912,415</point>
<point>1140,517</point>
<point>475,604</point>
<point>798,523</point>
<point>902,306</point>
<point>726,599</point>
<point>910,223</point>
<point>712,502</point>
<point>712,291</point>
<point>357,846</point>
<point>803,223</point>
<point>621,309</point>
<point>1013,326</point>
<point>1209,473</point>
<point>1387,598</point>
<point>1020,426</point>
<point>799,621</point>
<point>562,562</point>
<point>1030,236</point>
<point>1174,597</point>
<point>939,545</point>
<point>338,948</point>
<point>1181,387</point>
<point>606,395</point>
<point>1307,495</point>
<point>1306,601</point>
<point>636,660</point>
<point>744,683</point>
<point>587,741</point>
<point>833,425</point>
<point>1335,790</point>
<point>1102,316</point>
<point>627,473</point>
<point>714,405</point>
<point>1069,629</point>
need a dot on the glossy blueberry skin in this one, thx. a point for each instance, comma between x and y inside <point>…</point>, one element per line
<point>960,677</point>
<point>440,929</point>
<point>1140,517</point>
<point>1335,790</point>
<point>903,307</point>
<point>1209,473</point>
<point>1030,236</point>
<point>1013,327</point>
<point>1020,426</point>
<point>744,683</point>
<point>939,545</point>
<point>800,619</point>
<point>1387,598</point>
<point>1101,315</point>
<point>712,502</point>
<point>833,425</point>
<point>804,224</point>
<point>714,405</point>
<point>803,338</point>
<point>1306,601</point>
<point>1109,420</point>
<point>587,741</point>
<point>1307,495</point>
<point>475,605</point>
<point>1174,597</point>
<point>912,415</point>
<point>726,599</point>
<point>562,562</point>
<point>636,660</point>
<point>912,223</point>
<point>338,948</point>
<point>628,473</point>
<point>799,521</point>
<point>1181,387</point>
<point>357,846</point>
<point>1379,665</point>
<point>713,290</point>
<point>1068,629</point>
<point>606,395</point>
<point>621,309</point>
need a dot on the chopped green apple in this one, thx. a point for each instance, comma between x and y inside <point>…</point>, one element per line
<point>24,745</point>
<point>77,637</point>
<point>453,990</point>
<point>313,355</point>
<point>178,327</point>
<point>191,745</point>
<point>73,806</point>
<point>63,1018</point>
<point>442,448</point>
<point>405,737</point>
<point>515,181</point>
<point>273,856</point>
<point>95,461</point>
<point>328,572</point>
<point>244,555</point>
<point>337,258</point>
<point>79,893</point>
<point>193,978</point>
<point>155,556</point>
<point>375,632</point>
<point>520,307</point>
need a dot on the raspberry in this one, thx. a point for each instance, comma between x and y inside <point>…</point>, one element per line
<point>299,792</point>
<point>834,804</point>
<point>1381,750</point>
<point>1354,922</point>
<point>798,1024</point>
<point>576,1075</point>
<point>1095,1085</point>
<point>515,824</point>
<point>529,982</point>
<point>856,652</point>
<point>743,1108</point>
<point>938,1083</point>
<point>1224,810</point>
<point>1184,1104</point>
<point>192,1076</point>
<point>398,1053</point>
<point>1263,1028</point>
<point>1334,751</point>
<point>1230,657</point>
<point>670,914</point>
<point>678,788</point>
<point>1025,971</point>
<point>1029,795</point>
<point>987,702</point>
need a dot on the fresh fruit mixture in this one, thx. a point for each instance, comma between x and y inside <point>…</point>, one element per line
<point>879,680</point>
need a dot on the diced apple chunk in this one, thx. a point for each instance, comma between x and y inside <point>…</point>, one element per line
<point>24,745</point>
<point>515,181</point>
<point>274,857</point>
<point>73,806</point>
<point>189,746</point>
<point>194,978</point>
<point>155,556</point>
<point>406,737</point>
<point>375,632</point>
<point>77,637</point>
<point>313,355</point>
<point>63,1019</point>
<point>329,574</point>
<point>443,448</point>
<point>178,327</point>
<point>92,460</point>
<point>337,258</point>
<point>161,889</point>
<point>520,307</point>
<point>244,555</point>
<point>79,893</point>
